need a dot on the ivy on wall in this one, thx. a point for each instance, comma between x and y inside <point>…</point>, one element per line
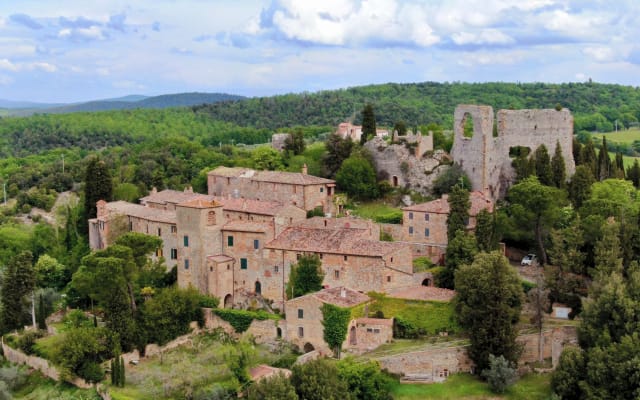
<point>241,319</point>
<point>336,323</point>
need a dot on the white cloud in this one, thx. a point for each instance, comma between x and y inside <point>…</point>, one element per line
<point>43,66</point>
<point>485,36</point>
<point>91,33</point>
<point>470,59</point>
<point>601,54</point>
<point>8,65</point>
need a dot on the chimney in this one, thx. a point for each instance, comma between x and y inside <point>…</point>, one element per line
<point>343,293</point>
<point>154,190</point>
<point>101,208</point>
<point>188,189</point>
<point>304,169</point>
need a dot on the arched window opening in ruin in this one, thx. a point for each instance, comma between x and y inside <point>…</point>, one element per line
<point>228,301</point>
<point>308,347</point>
<point>279,332</point>
<point>467,125</point>
<point>495,127</point>
<point>426,282</point>
<point>395,181</point>
<point>211,218</point>
<point>353,340</point>
<point>258,287</point>
<point>519,151</point>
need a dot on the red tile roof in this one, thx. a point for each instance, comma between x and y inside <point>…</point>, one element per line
<point>293,178</point>
<point>341,296</point>
<point>169,196</point>
<point>335,241</point>
<point>375,321</point>
<point>441,206</point>
<point>200,202</point>
<point>250,206</point>
<point>138,211</point>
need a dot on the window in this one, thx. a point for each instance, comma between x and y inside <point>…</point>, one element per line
<point>243,263</point>
<point>376,330</point>
<point>186,264</point>
<point>410,215</point>
<point>230,241</point>
<point>391,259</point>
<point>276,269</point>
<point>298,256</point>
<point>388,278</point>
<point>426,217</point>
<point>210,269</point>
<point>159,231</point>
<point>321,253</point>
<point>185,239</point>
<point>174,254</point>
<point>211,218</point>
<point>130,226</point>
<point>345,258</point>
<point>174,229</point>
<point>411,230</point>
<point>300,331</point>
<point>321,190</point>
<point>159,252</point>
<point>300,313</point>
<point>256,244</point>
<point>466,221</point>
<point>336,274</point>
<point>426,232</point>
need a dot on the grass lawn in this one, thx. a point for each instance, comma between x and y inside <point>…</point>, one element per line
<point>37,387</point>
<point>625,136</point>
<point>431,316</point>
<point>45,346</point>
<point>468,387</point>
<point>378,212</point>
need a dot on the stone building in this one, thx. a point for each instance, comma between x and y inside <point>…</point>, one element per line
<point>419,143</point>
<point>426,223</point>
<point>278,140</point>
<point>354,132</point>
<point>298,189</point>
<point>484,153</point>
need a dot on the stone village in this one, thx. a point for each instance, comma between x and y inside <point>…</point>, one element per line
<point>238,241</point>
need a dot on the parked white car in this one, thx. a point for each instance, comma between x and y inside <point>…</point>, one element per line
<point>529,259</point>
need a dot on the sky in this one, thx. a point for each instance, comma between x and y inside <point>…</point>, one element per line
<point>78,50</point>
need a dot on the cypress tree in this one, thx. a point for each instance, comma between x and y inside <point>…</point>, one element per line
<point>368,124</point>
<point>604,162</point>
<point>543,166</point>
<point>486,235</point>
<point>633,174</point>
<point>114,371</point>
<point>41,313</point>
<point>19,280</point>
<point>121,370</point>
<point>558,171</point>
<point>589,158</point>
<point>580,186</point>
<point>98,186</point>
<point>617,166</point>
<point>458,210</point>
<point>577,151</point>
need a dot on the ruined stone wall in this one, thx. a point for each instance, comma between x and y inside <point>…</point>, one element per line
<point>485,158</point>
<point>367,336</point>
<point>278,140</point>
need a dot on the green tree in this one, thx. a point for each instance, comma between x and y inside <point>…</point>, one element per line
<point>357,177</point>
<point>81,349</point>
<point>607,252</point>
<point>577,151</point>
<point>401,128</point>
<point>453,176</point>
<point>501,374</point>
<point>488,302</point>
<point>368,124</point>
<point>17,284</point>
<point>335,321</point>
<point>364,380</point>
<point>97,185</point>
<point>267,158</point>
<point>338,150</point>
<point>633,174</point>
<point>460,251</point>
<point>276,387</point>
<point>571,370</point>
<point>306,276</point>
<point>486,231</point>
<point>318,380</point>
<point>589,157</point>
<point>542,165</point>
<point>459,205</point>
<point>294,143</point>
<point>535,207</point>
<point>50,273</point>
<point>604,162</point>
<point>580,185</point>
<point>558,170</point>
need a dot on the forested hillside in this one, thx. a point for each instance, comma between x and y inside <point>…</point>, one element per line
<point>596,106</point>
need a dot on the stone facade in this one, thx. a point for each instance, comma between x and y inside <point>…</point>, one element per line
<point>298,189</point>
<point>366,334</point>
<point>354,132</point>
<point>485,156</point>
<point>278,140</point>
<point>399,164</point>
<point>421,144</point>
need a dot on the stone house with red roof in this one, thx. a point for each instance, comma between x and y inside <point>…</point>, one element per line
<point>293,188</point>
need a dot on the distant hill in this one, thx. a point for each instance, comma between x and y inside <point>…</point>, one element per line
<point>126,103</point>
<point>11,104</point>
<point>595,106</point>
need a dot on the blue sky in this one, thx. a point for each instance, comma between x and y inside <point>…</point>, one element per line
<point>70,50</point>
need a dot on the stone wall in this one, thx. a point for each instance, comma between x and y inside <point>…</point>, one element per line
<point>485,156</point>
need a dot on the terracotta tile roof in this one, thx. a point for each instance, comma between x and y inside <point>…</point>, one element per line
<point>341,296</point>
<point>247,226</point>
<point>441,206</point>
<point>138,211</point>
<point>169,196</point>
<point>375,321</point>
<point>335,241</point>
<point>335,223</point>
<point>250,206</point>
<point>218,258</point>
<point>200,202</point>
<point>294,178</point>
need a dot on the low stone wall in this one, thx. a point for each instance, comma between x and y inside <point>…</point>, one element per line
<point>42,365</point>
<point>263,331</point>
<point>395,230</point>
<point>434,365</point>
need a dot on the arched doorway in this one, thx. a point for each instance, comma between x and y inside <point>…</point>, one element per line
<point>308,347</point>
<point>394,182</point>
<point>278,332</point>
<point>426,282</point>
<point>258,287</point>
<point>228,301</point>
<point>353,340</point>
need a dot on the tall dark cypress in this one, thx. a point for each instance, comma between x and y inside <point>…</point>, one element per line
<point>604,162</point>
<point>459,205</point>
<point>543,165</point>
<point>558,170</point>
<point>19,281</point>
<point>368,124</point>
<point>98,186</point>
<point>589,158</point>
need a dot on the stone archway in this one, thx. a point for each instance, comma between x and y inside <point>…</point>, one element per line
<point>258,287</point>
<point>353,340</point>
<point>426,282</point>
<point>394,181</point>
<point>308,347</point>
<point>228,301</point>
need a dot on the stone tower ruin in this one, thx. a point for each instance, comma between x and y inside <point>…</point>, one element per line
<point>484,154</point>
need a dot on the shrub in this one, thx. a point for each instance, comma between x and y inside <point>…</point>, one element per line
<point>28,340</point>
<point>316,212</point>
<point>422,264</point>
<point>241,319</point>
<point>91,372</point>
<point>391,217</point>
<point>209,301</point>
<point>500,375</point>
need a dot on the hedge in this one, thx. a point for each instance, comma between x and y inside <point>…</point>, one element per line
<point>241,319</point>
